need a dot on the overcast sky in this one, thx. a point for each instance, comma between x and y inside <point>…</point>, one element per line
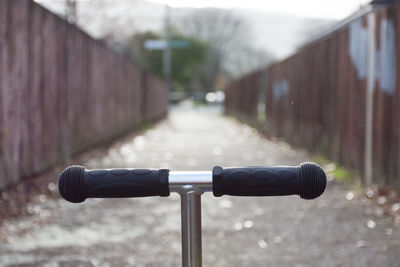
<point>337,9</point>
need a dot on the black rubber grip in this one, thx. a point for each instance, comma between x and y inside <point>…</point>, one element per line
<point>307,180</point>
<point>76,184</point>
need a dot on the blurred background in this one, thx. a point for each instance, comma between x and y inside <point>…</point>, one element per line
<point>188,85</point>
<point>221,41</point>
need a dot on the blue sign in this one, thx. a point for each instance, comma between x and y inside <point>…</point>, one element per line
<point>162,44</point>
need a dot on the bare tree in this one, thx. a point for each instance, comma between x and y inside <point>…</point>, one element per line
<point>247,59</point>
<point>102,19</point>
<point>105,18</point>
<point>220,30</point>
<point>229,43</point>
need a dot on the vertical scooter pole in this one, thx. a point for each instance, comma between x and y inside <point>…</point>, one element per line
<point>190,186</point>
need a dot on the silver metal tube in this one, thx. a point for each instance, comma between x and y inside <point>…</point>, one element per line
<point>191,229</point>
<point>190,186</point>
<point>199,180</point>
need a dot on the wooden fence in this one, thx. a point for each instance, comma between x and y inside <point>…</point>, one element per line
<point>62,91</point>
<point>242,97</point>
<point>318,97</point>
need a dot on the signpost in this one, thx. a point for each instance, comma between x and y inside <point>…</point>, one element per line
<point>165,45</point>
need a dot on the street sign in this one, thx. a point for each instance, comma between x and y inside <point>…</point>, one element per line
<point>155,44</point>
<point>179,44</point>
<point>162,44</point>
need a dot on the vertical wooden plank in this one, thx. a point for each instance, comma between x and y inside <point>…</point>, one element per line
<point>62,112</point>
<point>3,25</point>
<point>334,128</point>
<point>49,97</point>
<point>23,86</point>
<point>395,175</point>
<point>14,45</point>
<point>35,86</point>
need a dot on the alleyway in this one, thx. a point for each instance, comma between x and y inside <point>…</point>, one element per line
<point>237,231</point>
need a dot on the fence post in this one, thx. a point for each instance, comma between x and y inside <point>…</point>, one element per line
<point>369,98</point>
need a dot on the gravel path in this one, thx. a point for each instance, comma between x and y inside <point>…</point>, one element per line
<point>237,231</point>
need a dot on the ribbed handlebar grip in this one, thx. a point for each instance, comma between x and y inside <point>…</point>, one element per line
<point>307,180</point>
<point>76,183</point>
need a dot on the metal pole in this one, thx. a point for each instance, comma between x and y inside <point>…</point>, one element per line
<point>369,99</point>
<point>191,228</point>
<point>190,186</point>
<point>167,51</point>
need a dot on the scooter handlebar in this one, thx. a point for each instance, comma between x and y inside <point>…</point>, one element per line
<point>307,180</point>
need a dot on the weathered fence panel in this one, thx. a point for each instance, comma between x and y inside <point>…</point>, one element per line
<point>156,97</point>
<point>62,92</point>
<point>317,97</point>
<point>242,97</point>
